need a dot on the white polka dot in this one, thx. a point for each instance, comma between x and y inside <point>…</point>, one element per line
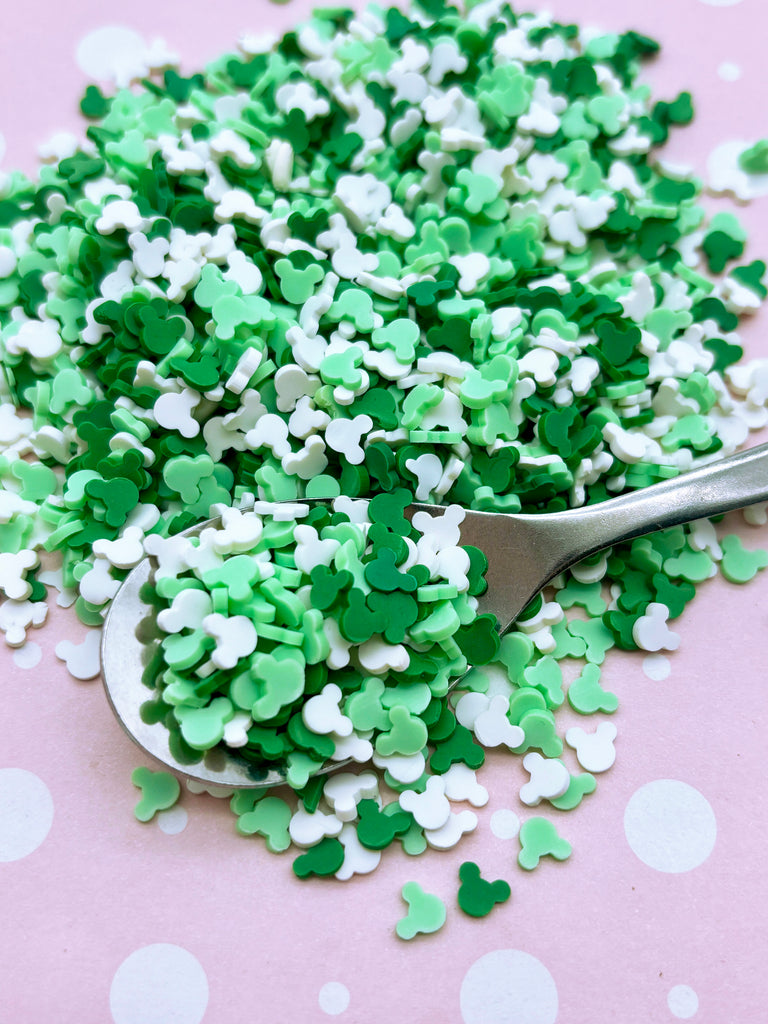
<point>670,826</point>
<point>28,656</point>
<point>682,1002</point>
<point>729,72</point>
<point>505,824</point>
<point>721,3</point>
<point>333,998</point>
<point>26,813</point>
<point>172,821</point>
<point>657,667</point>
<point>113,54</point>
<point>159,984</point>
<point>508,986</point>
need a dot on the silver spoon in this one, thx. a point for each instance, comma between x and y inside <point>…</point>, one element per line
<point>525,552</point>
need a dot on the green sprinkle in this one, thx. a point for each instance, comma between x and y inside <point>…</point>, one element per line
<point>754,159</point>
<point>740,565</point>
<point>426,913</point>
<point>539,838</point>
<point>477,897</point>
<point>159,791</point>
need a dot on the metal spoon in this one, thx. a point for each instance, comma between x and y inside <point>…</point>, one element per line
<point>525,552</point>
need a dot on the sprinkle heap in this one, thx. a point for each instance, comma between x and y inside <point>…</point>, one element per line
<point>430,254</point>
<point>300,635</point>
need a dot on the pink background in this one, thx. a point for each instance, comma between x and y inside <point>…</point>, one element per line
<point>615,934</point>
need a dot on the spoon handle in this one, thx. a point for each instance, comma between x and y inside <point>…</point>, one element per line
<point>527,551</point>
<point>731,483</point>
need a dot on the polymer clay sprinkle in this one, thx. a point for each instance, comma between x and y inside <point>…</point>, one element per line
<point>426,912</point>
<point>387,256</point>
<point>539,838</point>
<point>159,791</point>
<point>266,657</point>
<point>477,896</point>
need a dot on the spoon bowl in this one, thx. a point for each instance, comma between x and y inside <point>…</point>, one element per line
<point>524,552</point>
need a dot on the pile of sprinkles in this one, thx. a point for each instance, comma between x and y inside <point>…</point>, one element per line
<point>429,256</point>
<point>272,618</point>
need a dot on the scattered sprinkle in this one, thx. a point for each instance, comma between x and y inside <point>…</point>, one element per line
<point>426,913</point>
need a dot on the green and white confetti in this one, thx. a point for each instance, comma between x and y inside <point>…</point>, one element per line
<point>389,255</point>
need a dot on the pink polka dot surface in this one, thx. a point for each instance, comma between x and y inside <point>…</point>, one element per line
<point>656,914</point>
